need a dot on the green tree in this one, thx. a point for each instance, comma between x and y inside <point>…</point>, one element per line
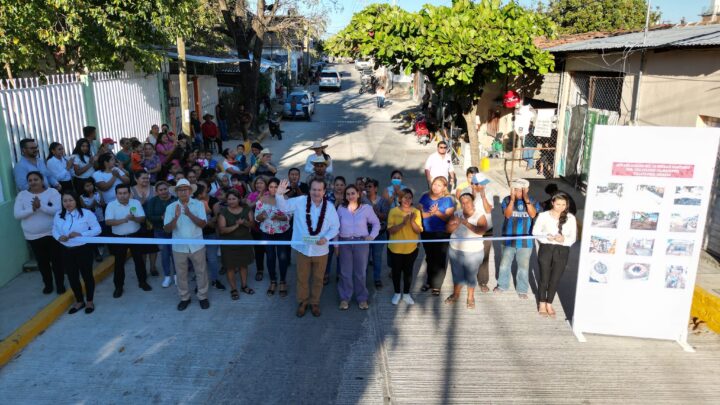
<point>578,16</point>
<point>460,48</point>
<point>48,36</point>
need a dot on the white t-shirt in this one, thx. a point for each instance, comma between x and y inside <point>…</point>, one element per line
<point>86,174</point>
<point>87,201</point>
<point>439,166</point>
<point>227,165</point>
<point>463,232</point>
<point>58,169</point>
<point>115,210</point>
<point>108,195</point>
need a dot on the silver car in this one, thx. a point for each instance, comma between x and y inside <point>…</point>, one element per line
<point>330,78</point>
<point>304,105</point>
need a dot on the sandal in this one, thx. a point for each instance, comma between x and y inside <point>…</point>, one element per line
<point>247,290</point>
<point>234,295</point>
<point>436,292</point>
<point>484,289</point>
<point>271,289</point>
<point>470,304</point>
<point>259,275</point>
<point>283,289</point>
<point>425,287</point>
<point>451,299</point>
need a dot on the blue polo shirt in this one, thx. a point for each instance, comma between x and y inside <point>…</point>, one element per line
<point>519,224</point>
<point>435,223</point>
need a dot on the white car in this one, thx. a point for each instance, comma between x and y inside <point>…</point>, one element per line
<point>330,79</point>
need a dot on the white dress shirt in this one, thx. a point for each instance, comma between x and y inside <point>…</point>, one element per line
<point>115,211</point>
<point>330,226</point>
<point>546,225</point>
<point>85,225</point>
<point>439,166</point>
<point>58,169</point>
<point>185,227</point>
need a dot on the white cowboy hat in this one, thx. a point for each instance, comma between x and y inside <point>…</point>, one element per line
<point>183,183</point>
<point>317,145</point>
<point>265,151</point>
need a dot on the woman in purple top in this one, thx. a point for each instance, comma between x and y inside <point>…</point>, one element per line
<point>355,218</point>
<point>150,162</point>
<point>165,146</point>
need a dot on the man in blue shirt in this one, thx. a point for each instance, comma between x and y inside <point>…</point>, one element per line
<point>519,210</point>
<point>29,162</point>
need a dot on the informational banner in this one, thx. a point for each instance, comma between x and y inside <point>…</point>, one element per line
<point>645,213</point>
<point>544,122</point>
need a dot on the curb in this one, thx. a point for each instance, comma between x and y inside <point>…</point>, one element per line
<point>35,326</point>
<point>706,306</point>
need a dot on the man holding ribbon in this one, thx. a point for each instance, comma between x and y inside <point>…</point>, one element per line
<point>315,222</point>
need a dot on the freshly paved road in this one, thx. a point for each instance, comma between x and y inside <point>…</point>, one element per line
<point>140,349</point>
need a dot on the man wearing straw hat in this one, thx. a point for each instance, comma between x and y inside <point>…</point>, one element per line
<point>519,210</point>
<point>186,218</point>
<point>319,150</point>
<point>320,172</point>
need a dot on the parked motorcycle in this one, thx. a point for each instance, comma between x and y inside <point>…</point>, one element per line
<point>422,133</point>
<point>368,83</point>
<point>274,126</point>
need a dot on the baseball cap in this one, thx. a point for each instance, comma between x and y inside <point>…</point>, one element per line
<point>479,178</point>
<point>108,141</point>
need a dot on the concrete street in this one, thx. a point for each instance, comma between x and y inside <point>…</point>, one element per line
<point>139,349</point>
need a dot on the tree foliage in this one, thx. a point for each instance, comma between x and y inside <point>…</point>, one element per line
<point>73,35</point>
<point>578,16</point>
<point>460,48</point>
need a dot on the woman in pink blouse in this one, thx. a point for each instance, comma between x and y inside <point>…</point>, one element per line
<point>165,146</point>
<point>355,219</point>
<point>259,190</point>
<point>274,226</point>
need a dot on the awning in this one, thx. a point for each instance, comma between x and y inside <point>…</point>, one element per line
<point>208,59</point>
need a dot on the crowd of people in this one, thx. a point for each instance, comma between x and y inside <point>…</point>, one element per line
<point>172,187</point>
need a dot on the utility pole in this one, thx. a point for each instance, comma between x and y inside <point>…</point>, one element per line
<point>182,76</point>
<point>634,114</point>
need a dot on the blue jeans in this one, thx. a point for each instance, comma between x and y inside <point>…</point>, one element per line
<point>211,254</point>
<point>522,255</point>
<point>166,256</point>
<point>328,266</point>
<point>380,102</point>
<point>376,250</point>
<point>465,266</point>
<point>275,254</point>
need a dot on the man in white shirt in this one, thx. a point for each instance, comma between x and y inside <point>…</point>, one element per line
<point>125,215</point>
<point>310,240</point>
<point>185,219</point>
<point>439,164</point>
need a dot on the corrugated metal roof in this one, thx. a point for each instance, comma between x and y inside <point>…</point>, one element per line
<point>702,35</point>
<point>207,59</point>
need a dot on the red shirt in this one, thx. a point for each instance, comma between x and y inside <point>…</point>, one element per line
<point>209,130</point>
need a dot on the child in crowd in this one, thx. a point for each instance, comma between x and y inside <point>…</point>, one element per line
<point>136,156</point>
<point>92,200</point>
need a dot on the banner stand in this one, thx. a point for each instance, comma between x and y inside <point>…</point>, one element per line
<point>645,213</point>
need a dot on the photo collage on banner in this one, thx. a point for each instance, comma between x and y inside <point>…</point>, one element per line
<point>642,233</point>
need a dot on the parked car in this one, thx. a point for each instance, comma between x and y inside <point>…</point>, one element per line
<point>304,105</point>
<point>330,78</point>
<point>362,64</point>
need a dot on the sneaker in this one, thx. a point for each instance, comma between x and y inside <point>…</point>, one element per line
<point>145,287</point>
<point>167,281</point>
<point>217,284</point>
<point>363,305</point>
<point>204,304</point>
<point>344,305</point>
<point>396,299</point>
<point>523,296</point>
<point>408,299</point>
<point>183,305</point>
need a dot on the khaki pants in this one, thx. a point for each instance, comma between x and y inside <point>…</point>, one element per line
<point>310,266</point>
<point>201,275</point>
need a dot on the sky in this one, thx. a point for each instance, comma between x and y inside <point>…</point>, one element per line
<point>672,10</point>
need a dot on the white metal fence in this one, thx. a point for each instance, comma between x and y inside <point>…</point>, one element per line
<point>52,112</point>
<point>127,104</point>
<point>53,109</point>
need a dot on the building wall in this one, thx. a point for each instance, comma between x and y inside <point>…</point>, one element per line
<point>679,86</point>
<point>549,89</point>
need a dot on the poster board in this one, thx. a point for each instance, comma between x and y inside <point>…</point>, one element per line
<point>645,213</point>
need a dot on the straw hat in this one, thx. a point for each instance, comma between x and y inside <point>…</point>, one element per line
<point>317,145</point>
<point>182,183</point>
